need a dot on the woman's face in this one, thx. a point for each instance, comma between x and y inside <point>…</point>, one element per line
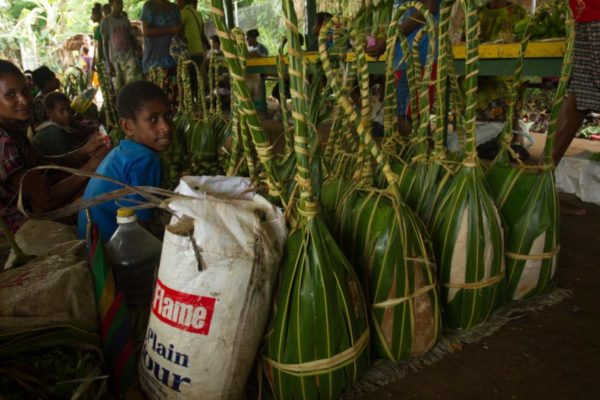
<point>15,99</point>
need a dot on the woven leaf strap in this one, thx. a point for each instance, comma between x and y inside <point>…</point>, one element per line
<point>423,84</point>
<point>200,88</point>
<point>444,59</point>
<point>260,139</point>
<point>565,75</point>
<point>471,73</point>
<point>308,207</point>
<point>282,95</point>
<point>345,102</point>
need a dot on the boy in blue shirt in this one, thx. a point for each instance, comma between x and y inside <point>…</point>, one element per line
<point>145,117</point>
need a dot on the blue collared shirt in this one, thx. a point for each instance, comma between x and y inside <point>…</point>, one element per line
<point>131,163</point>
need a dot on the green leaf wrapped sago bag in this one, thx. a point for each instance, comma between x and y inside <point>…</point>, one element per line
<point>466,227</point>
<point>317,342</point>
<point>526,195</point>
<point>383,238</point>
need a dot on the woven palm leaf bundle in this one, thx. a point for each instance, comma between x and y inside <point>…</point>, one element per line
<point>526,195</point>
<point>466,226</point>
<point>318,338</point>
<point>383,238</point>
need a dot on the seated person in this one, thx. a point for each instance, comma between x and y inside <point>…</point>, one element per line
<point>255,49</point>
<point>17,156</point>
<point>145,117</point>
<point>59,135</point>
<point>47,82</point>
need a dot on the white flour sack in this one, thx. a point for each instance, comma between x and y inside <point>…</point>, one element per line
<point>212,299</point>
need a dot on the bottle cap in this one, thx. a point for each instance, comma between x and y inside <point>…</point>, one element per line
<point>125,215</point>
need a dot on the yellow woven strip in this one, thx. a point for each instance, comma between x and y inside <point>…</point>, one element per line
<point>296,95</point>
<point>541,256</point>
<point>228,54</point>
<point>237,77</point>
<point>217,11</point>
<point>400,300</point>
<point>476,285</point>
<point>298,116</point>
<point>325,365</point>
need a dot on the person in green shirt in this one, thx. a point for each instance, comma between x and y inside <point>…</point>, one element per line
<point>193,30</point>
<point>97,19</point>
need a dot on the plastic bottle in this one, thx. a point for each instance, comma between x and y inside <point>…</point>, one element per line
<point>135,254</point>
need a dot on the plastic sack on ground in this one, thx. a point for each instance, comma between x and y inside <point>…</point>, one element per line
<point>213,296</point>
<point>36,237</point>
<point>51,289</point>
<point>580,176</point>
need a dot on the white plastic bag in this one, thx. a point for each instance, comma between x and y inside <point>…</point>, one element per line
<point>206,325</point>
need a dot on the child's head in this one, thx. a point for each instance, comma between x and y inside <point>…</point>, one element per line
<point>116,6</point>
<point>85,50</point>
<point>215,42</point>
<point>45,79</point>
<point>15,96</point>
<point>106,10</point>
<point>251,37</point>
<point>58,108</point>
<point>145,114</point>
<point>96,13</point>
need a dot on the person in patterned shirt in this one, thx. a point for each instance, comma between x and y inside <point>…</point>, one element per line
<point>41,192</point>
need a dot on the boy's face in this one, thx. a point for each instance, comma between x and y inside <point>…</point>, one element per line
<point>215,45</point>
<point>151,127</point>
<point>116,6</point>
<point>61,113</point>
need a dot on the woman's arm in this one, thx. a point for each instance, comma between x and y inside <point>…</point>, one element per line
<point>44,196</point>
<point>151,31</point>
<point>78,156</point>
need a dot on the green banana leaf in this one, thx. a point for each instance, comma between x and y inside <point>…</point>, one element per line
<point>318,337</point>
<point>469,246</point>
<point>529,203</point>
<point>387,242</point>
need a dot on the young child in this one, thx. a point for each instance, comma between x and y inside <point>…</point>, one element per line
<point>255,49</point>
<point>119,46</point>
<point>145,117</point>
<point>59,135</point>
<point>46,81</point>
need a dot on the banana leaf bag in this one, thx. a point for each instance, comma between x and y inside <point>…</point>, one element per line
<point>385,241</point>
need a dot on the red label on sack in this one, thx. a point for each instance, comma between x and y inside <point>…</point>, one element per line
<point>183,311</point>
